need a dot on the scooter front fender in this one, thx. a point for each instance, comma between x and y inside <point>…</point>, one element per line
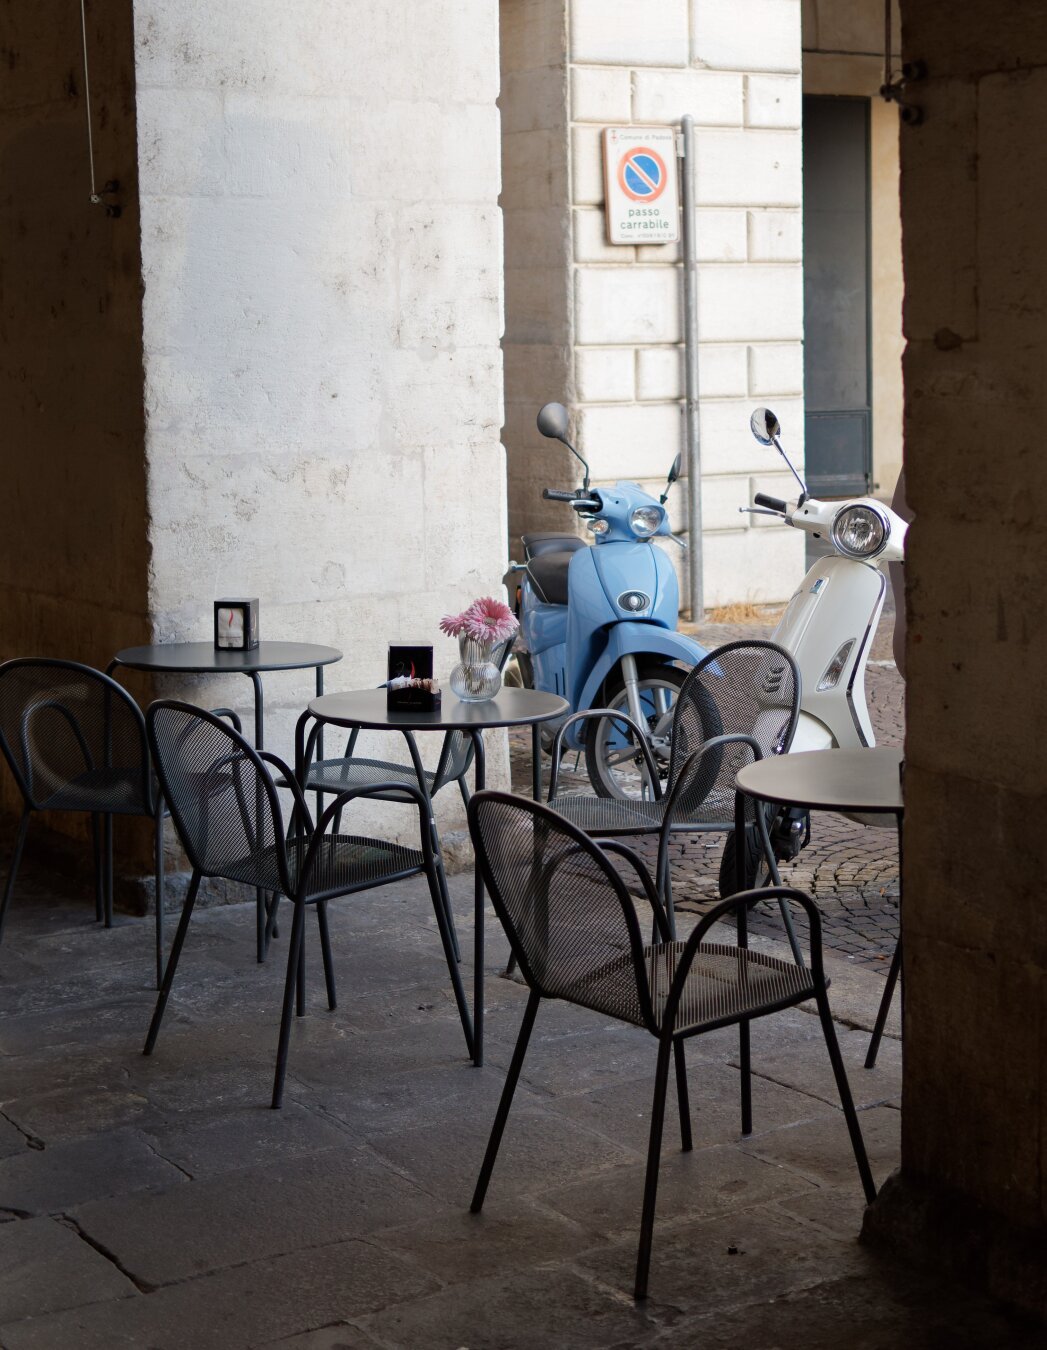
<point>633,639</point>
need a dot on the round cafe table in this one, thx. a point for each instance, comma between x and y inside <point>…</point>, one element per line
<point>866,781</point>
<point>204,658</point>
<point>366,709</point>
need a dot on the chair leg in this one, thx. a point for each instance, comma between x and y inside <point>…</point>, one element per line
<point>16,859</point>
<point>654,1150</point>
<point>432,872</point>
<point>172,964</point>
<point>271,930</point>
<point>325,948</point>
<point>299,1004</point>
<point>96,840</point>
<point>445,893</point>
<point>158,845</point>
<point>686,1142</point>
<point>665,887</point>
<point>505,1101</point>
<point>846,1100</point>
<point>744,1064</point>
<point>291,979</point>
<point>885,1006</point>
<point>259,925</point>
<point>108,898</point>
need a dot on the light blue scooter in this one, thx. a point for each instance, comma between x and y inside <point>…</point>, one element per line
<point>598,623</point>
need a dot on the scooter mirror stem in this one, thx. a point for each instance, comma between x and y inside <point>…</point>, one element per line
<point>803,486</point>
<point>674,474</point>
<point>552,423</point>
<point>585,479</point>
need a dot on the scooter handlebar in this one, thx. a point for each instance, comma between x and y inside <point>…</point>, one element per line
<point>578,498</point>
<point>774,503</point>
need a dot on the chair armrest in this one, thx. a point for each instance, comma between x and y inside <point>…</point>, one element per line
<point>232,716</point>
<point>407,790</point>
<point>738,904</point>
<point>654,899</point>
<point>615,715</point>
<point>290,782</point>
<point>371,790</point>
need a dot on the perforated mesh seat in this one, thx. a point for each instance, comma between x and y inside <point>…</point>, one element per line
<point>337,775</point>
<point>575,931</point>
<point>75,741</point>
<point>722,984</point>
<point>229,819</point>
<point>342,863</point>
<point>739,703</point>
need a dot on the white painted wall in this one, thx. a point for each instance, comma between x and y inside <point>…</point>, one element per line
<point>321,249</point>
<point>734,65</point>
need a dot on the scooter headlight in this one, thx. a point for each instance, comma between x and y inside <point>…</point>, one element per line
<point>646,520</point>
<point>860,531</point>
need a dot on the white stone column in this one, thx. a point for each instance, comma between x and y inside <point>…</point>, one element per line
<point>322,255</point>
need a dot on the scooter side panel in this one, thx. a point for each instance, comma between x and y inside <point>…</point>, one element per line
<point>543,625</point>
<point>837,600</point>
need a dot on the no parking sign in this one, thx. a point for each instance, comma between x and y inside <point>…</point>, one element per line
<point>641,188</point>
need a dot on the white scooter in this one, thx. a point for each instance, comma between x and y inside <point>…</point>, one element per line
<point>828,627</point>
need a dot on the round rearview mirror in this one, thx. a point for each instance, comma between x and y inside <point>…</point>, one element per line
<point>552,421</point>
<point>765,426</point>
<point>674,472</point>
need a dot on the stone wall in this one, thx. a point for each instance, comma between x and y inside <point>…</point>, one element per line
<point>321,248</point>
<point>734,66</point>
<point>974,1176</point>
<point>73,548</point>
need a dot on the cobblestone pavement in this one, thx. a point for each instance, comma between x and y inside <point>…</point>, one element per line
<point>851,870</point>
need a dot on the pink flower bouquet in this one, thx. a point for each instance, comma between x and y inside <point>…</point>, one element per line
<point>479,629</point>
<point>486,620</point>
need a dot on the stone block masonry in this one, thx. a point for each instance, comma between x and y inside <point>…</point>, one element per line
<point>618,309</point>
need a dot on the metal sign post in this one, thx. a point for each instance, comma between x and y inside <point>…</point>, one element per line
<point>692,428</point>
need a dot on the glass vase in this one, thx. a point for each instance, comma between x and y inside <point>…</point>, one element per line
<point>475,678</point>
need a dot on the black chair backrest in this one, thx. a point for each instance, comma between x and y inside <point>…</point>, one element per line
<point>221,796</point>
<point>747,688</point>
<point>565,910</point>
<point>62,723</point>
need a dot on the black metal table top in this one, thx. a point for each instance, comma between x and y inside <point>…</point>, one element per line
<point>866,780</point>
<point>203,658</point>
<point>511,707</point>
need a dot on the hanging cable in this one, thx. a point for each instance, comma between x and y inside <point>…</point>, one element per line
<point>96,198</point>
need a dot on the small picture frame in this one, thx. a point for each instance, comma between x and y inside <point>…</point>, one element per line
<point>411,687</point>
<point>236,625</point>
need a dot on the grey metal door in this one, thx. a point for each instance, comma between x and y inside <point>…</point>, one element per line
<point>836,295</point>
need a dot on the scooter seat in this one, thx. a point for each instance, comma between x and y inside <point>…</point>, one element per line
<point>548,576</point>
<point>544,542</point>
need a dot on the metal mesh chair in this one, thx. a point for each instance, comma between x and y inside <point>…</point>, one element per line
<point>575,932</point>
<point>76,741</point>
<point>227,813</point>
<point>738,704</point>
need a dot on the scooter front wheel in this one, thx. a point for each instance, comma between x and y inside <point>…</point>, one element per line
<point>613,761</point>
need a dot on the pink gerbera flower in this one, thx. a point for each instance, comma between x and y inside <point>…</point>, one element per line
<point>453,624</point>
<point>489,620</point>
